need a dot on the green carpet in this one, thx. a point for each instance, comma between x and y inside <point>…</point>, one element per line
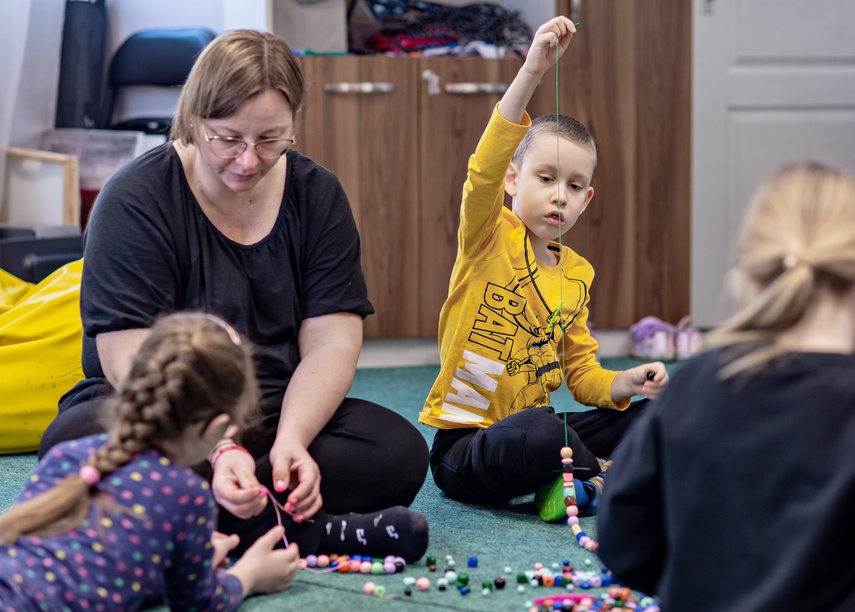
<point>506,540</point>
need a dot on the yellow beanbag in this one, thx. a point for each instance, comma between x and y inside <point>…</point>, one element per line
<point>40,346</point>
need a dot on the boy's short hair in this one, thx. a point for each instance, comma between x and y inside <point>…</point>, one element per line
<point>565,126</point>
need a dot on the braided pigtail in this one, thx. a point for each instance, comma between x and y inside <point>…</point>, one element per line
<point>191,368</point>
<point>798,243</point>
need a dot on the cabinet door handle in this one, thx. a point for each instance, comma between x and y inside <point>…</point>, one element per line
<point>476,88</point>
<point>358,88</point>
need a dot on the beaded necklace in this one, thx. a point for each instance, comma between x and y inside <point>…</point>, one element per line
<point>572,510</point>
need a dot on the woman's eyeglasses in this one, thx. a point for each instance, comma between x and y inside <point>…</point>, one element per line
<point>228,147</point>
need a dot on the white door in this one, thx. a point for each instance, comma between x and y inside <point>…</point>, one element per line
<point>773,82</point>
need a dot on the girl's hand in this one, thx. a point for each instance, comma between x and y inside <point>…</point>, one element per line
<point>234,485</point>
<point>543,53</point>
<point>222,544</point>
<point>294,468</point>
<point>264,568</point>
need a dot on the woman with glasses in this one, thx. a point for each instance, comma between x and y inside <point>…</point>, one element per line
<point>227,218</point>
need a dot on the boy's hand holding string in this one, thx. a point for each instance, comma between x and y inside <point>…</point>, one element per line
<point>541,56</point>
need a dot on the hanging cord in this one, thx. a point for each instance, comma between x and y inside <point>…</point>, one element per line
<point>582,538</point>
<point>562,357</point>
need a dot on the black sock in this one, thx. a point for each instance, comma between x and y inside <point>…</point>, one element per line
<point>396,531</point>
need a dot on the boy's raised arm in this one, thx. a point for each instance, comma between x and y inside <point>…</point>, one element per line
<point>541,56</point>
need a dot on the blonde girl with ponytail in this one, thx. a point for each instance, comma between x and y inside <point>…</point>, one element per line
<point>736,489</point>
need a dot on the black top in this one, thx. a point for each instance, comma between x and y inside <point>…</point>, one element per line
<point>739,495</point>
<point>150,250</point>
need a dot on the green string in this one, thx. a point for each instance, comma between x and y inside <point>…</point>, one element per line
<point>560,245</point>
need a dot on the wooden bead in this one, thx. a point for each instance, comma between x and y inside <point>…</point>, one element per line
<point>566,452</point>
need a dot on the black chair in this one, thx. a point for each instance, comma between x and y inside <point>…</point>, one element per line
<point>31,258</point>
<point>158,58</point>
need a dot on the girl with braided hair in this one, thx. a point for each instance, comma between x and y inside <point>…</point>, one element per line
<point>735,490</point>
<point>119,520</point>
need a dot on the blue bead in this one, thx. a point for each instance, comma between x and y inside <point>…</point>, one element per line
<point>472,562</point>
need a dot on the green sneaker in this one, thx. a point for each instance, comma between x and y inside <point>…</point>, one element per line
<point>549,500</point>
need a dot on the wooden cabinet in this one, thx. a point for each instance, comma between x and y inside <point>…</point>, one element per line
<point>400,148</point>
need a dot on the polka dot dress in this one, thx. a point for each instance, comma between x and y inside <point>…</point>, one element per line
<point>149,542</point>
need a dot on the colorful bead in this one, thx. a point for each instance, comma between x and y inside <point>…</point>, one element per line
<point>423,583</point>
<point>368,588</point>
<point>499,582</point>
<point>472,562</point>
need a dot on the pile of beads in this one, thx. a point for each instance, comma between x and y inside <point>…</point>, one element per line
<point>582,538</point>
<point>356,564</point>
<point>617,599</point>
<point>567,578</point>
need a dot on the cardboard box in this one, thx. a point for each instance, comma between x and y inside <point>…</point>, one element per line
<point>319,26</point>
<point>101,152</point>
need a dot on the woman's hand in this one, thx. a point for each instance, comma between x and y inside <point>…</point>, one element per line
<point>329,350</point>
<point>294,468</point>
<point>234,484</point>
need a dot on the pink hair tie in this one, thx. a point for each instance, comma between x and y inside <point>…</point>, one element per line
<point>90,475</point>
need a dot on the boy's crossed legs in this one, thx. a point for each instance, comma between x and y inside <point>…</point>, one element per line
<point>521,452</point>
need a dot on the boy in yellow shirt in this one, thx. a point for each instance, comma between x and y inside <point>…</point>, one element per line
<point>515,321</point>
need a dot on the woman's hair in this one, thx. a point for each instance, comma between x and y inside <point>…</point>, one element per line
<point>798,242</point>
<point>234,66</point>
<point>566,127</point>
<point>191,368</point>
